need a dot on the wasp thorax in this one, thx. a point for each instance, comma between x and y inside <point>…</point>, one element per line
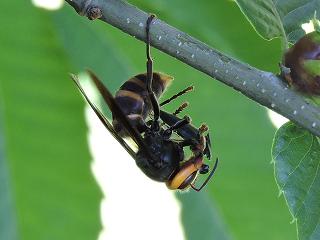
<point>303,63</point>
<point>164,157</point>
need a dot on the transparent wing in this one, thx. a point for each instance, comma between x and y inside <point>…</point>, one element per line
<point>116,111</point>
<point>103,119</point>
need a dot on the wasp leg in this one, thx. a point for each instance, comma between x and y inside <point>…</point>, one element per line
<point>181,108</point>
<point>152,96</point>
<point>203,128</point>
<point>188,143</point>
<point>204,144</point>
<point>188,89</point>
<point>207,150</point>
<point>186,120</point>
<point>197,146</point>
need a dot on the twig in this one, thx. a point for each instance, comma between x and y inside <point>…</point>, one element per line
<point>262,87</point>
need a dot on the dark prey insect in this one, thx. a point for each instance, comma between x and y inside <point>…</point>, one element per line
<point>159,156</point>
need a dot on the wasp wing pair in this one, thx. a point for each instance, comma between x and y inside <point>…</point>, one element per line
<point>116,111</point>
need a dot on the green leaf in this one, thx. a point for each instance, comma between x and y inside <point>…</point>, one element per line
<point>296,155</point>
<point>264,17</point>
<point>54,193</point>
<point>280,18</point>
<point>198,207</point>
<point>8,226</point>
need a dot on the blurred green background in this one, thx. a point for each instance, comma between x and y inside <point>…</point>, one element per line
<point>47,188</point>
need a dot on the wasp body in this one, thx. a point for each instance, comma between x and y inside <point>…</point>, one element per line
<point>159,156</point>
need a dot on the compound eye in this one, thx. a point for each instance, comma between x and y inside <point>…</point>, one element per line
<point>204,169</point>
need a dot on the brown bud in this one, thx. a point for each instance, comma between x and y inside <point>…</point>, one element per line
<point>303,62</point>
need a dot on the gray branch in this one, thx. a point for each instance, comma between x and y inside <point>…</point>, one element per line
<point>260,86</point>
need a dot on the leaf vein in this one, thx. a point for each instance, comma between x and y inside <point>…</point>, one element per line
<point>306,195</point>
<point>301,160</point>
<point>291,139</point>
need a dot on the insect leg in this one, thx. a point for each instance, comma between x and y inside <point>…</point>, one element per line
<point>203,128</point>
<point>207,146</point>
<point>207,150</point>
<point>186,120</point>
<point>186,132</point>
<point>188,89</point>
<point>179,124</point>
<point>188,142</point>
<point>181,108</point>
<point>152,96</point>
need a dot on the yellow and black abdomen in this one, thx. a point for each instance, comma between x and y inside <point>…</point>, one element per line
<point>133,99</point>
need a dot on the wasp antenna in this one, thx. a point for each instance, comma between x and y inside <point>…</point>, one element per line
<point>208,178</point>
<point>203,128</point>
<point>184,91</point>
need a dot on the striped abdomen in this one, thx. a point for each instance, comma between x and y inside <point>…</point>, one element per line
<point>132,98</point>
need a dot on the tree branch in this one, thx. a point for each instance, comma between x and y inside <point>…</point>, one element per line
<point>262,87</point>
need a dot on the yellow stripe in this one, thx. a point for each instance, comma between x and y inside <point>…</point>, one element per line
<point>125,93</point>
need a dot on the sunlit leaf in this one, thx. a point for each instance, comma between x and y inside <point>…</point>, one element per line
<point>8,227</point>
<point>296,154</point>
<point>280,18</point>
<point>198,208</point>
